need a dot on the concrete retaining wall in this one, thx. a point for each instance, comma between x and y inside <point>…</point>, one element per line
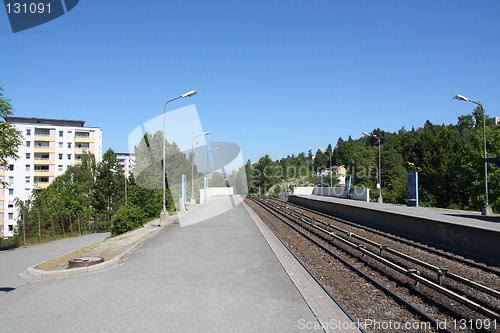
<point>213,191</point>
<point>337,192</point>
<point>303,190</point>
<point>361,194</point>
<point>466,240</point>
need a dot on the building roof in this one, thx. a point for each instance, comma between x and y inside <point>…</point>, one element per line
<point>45,121</point>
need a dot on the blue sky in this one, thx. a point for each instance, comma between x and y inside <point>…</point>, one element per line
<point>275,77</point>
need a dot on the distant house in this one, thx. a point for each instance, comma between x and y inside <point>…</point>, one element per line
<point>339,171</point>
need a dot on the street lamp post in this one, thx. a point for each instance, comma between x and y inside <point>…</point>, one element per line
<point>331,171</point>
<point>164,213</point>
<point>379,166</point>
<point>192,164</point>
<point>486,209</point>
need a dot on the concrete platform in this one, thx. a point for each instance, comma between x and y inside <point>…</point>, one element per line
<point>467,233</point>
<point>217,274</point>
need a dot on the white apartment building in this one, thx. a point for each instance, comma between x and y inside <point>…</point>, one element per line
<point>127,161</point>
<point>48,147</point>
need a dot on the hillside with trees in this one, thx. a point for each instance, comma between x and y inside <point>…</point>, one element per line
<point>447,158</point>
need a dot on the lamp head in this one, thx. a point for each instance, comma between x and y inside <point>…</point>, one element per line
<point>206,133</point>
<point>322,149</point>
<point>367,134</point>
<point>461,98</point>
<point>189,94</point>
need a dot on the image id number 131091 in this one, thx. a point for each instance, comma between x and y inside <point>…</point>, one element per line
<point>28,8</point>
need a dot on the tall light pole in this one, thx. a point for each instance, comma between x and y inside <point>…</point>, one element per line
<point>486,209</point>
<point>164,213</point>
<point>192,164</point>
<point>379,185</point>
<point>331,171</point>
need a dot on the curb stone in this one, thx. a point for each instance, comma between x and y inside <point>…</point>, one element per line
<point>32,272</point>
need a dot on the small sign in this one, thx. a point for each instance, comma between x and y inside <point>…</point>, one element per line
<point>412,189</point>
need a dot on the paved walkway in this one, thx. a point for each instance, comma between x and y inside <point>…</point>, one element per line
<point>15,261</point>
<point>213,275</point>
<point>466,218</point>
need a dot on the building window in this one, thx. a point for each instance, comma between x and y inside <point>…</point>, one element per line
<point>10,205</point>
<point>60,144</point>
<point>42,132</point>
<point>28,156</point>
<point>60,168</point>
<point>60,156</point>
<point>11,191</point>
<point>43,180</point>
<point>82,134</point>
<point>27,179</point>
<point>42,144</point>
<point>11,180</point>
<point>42,168</point>
<point>28,167</point>
<point>11,226</point>
<point>82,145</point>
<point>42,156</point>
<point>69,144</point>
<point>28,143</point>
<point>69,156</point>
<point>11,217</point>
<point>61,133</point>
<point>27,191</point>
<point>28,131</point>
<point>11,167</point>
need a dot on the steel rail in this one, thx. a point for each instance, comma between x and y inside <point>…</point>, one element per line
<point>441,272</point>
<point>412,273</point>
<point>386,290</point>
<point>401,239</point>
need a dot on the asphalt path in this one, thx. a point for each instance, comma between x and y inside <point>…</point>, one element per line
<point>218,275</point>
<point>13,262</point>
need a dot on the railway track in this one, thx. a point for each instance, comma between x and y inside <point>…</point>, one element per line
<point>461,303</point>
<point>441,253</point>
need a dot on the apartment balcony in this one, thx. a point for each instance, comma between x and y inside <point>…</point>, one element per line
<point>44,150</point>
<point>39,186</point>
<point>82,134</point>
<point>2,173</point>
<point>41,173</point>
<point>44,162</point>
<point>84,140</point>
<point>2,210</point>
<point>2,198</point>
<point>44,138</point>
<point>80,151</point>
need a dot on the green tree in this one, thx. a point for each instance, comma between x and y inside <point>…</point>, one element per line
<point>109,186</point>
<point>217,180</point>
<point>10,137</point>
<point>150,200</point>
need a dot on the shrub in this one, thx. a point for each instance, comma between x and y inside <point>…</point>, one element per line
<point>128,217</point>
<point>9,243</point>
